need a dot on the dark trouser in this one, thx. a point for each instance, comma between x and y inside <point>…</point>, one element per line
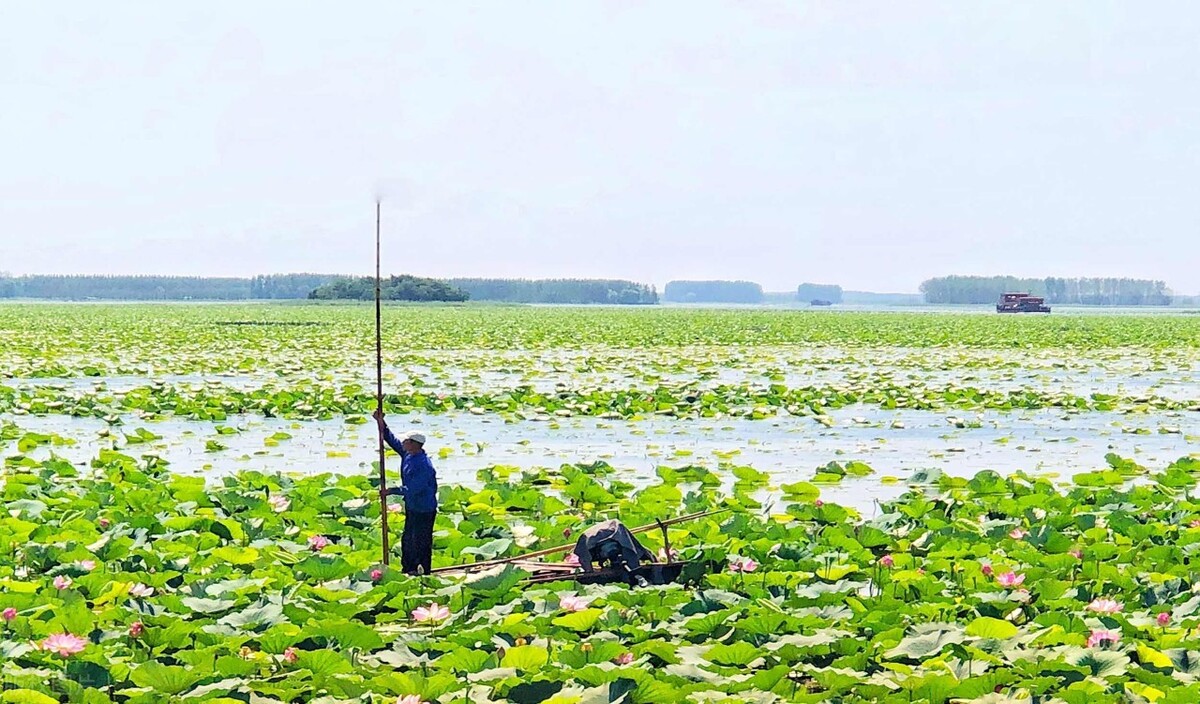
<point>416,543</point>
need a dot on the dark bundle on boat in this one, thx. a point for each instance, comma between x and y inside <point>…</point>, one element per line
<point>610,545</point>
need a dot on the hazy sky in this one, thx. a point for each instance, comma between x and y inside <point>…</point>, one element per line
<point>868,144</point>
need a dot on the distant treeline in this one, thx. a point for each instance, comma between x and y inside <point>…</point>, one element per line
<point>1095,291</point>
<point>819,292</point>
<point>713,292</point>
<point>393,288</point>
<point>565,291</point>
<point>161,288</point>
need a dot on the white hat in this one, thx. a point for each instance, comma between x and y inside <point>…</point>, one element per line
<point>414,436</point>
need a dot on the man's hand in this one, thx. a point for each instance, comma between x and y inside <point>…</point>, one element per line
<point>378,416</point>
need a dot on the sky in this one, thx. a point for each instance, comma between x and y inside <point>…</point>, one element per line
<point>871,145</point>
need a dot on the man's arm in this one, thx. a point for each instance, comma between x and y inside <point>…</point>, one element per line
<point>390,439</point>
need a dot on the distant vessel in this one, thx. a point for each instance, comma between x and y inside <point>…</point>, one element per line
<point>1021,303</point>
<point>820,302</point>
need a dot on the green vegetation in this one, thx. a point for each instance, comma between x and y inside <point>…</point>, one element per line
<point>123,580</point>
<point>560,291</point>
<point>713,292</point>
<point>395,288</point>
<point>1099,292</point>
<point>135,585</point>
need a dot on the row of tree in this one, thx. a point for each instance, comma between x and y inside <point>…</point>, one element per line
<point>819,292</point>
<point>393,288</point>
<point>563,291</point>
<point>1083,291</point>
<point>154,288</point>
<point>941,290</point>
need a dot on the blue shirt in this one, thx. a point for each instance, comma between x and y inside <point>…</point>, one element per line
<point>418,479</point>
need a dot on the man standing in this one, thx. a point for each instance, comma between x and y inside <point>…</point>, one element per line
<point>418,486</point>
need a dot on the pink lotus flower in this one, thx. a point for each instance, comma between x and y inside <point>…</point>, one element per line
<point>9,614</point>
<point>818,503</point>
<point>141,591</point>
<point>986,570</point>
<point>289,655</point>
<point>376,575</point>
<point>395,508</point>
<point>571,559</point>
<point>1104,606</point>
<point>88,565</point>
<point>572,603</point>
<point>1018,533</point>
<point>137,629</point>
<point>104,522</point>
<point>410,699</point>
<point>624,658</point>
<point>566,533</point>
<point>1010,579</point>
<point>279,503</point>
<point>62,582</point>
<point>1195,523</point>
<point>64,644</point>
<point>430,614</point>
<point>317,543</point>
<point>887,561</point>
<point>1100,636</point>
<point>1164,618</point>
<point>742,564</point>
<point>1077,554</point>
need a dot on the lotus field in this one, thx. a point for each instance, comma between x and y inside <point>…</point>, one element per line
<point>919,507</point>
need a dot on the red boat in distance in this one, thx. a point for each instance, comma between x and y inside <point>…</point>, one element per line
<point>1021,303</point>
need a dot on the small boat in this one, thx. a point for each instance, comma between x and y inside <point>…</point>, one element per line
<point>653,573</point>
<point>1021,303</point>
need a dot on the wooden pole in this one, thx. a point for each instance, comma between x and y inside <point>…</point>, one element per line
<point>383,508</point>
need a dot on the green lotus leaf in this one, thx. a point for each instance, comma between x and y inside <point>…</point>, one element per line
<point>923,645</point>
<point>261,615</point>
<point>325,569</point>
<point>463,660</point>
<point>583,620</point>
<point>167,679</point>
<point>202,605</point>
<point>1101,663</point>
<point>346,635</point>
<point>526,658</point>
<point>739,653</point>
<point>985,627</point>
<point>323,663</point>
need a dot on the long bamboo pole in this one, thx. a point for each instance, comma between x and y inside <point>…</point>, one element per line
<point>470,567</point>
<point>383,508</point>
